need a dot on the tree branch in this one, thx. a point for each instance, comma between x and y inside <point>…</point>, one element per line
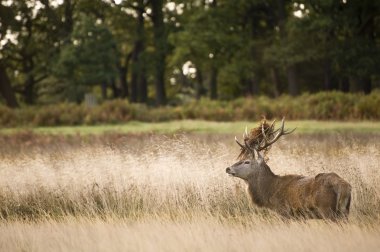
<point>41,78</point>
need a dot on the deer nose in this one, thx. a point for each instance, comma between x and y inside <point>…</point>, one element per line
<point>228,170</point>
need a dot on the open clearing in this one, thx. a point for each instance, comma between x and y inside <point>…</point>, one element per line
<point>153,192</point>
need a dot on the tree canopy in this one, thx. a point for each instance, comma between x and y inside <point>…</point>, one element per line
<point>169,52</point>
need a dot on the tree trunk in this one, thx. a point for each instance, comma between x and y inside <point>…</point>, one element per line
<point>138,80</point>
<point>367,85</point>
<point>115,89</point>
<point>104,90</point>
<point>6,89</point>
<point>29,89</point>
<point>143,86</point>
<point>276,81</point>
<point>366,31</point>
<point>69,10</point>
<point>355,84</point>
<point>292,81</point>
<point>134,81</point>
<point>123,71</point>
<point>28,66</point>
<point>327,76</point>
<point>254,88</point>
<point>68,23</point>
<point>136,64</point>
<point>213,87</point>
<point>345,85</point>
<point>330,82</point>
<point>123,75</point>
<point>160,45</point>
<point>199,88</point>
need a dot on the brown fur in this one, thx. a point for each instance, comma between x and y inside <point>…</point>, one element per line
<point>324,196</point>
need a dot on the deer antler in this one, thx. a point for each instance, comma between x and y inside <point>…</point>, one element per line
<point>281,132</point>
<point>237,141</point>
<point>261,138</point>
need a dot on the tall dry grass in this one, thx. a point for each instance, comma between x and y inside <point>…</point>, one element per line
<point>171,193</point>
<point>196,235</point>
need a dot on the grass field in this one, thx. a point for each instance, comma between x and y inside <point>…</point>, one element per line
<point>153,192</point>
<point>201,127</point>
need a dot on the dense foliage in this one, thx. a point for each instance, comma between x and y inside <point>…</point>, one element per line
<point>320,106</point>
<point>161,51</point>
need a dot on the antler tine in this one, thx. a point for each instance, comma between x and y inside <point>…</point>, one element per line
<point>287,132</point>
<point>277,136</point>
<point>269,135</point>
<point>270,128</point>
<point>272,124</point>
<point>276,131</point>
<point>264,135</point>
<point>246,146</point>
<point>237,141</point>
<point>245,135</point>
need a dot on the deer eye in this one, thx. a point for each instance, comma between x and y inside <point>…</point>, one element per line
<point>246,162</point>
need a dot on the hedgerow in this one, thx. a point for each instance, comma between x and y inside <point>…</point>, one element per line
<point>319,106</point>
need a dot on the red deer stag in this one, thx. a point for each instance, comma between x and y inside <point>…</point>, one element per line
<point>324,196</point>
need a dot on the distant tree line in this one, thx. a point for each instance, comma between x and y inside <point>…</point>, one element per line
<point>159,52</point>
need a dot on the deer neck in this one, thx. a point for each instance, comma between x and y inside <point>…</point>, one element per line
<point>261,185</point>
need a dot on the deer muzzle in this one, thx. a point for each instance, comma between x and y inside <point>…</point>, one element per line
<point>229,171</point>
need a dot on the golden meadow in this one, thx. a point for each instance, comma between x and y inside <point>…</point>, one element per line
<point>170,192</point>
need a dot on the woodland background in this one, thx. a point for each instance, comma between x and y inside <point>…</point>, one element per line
<point>184,54</point>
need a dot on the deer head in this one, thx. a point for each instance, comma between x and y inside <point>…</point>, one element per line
<point>245,169</point>
<point>258,140</point>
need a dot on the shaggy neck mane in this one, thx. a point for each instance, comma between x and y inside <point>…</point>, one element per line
<point>261,185</point>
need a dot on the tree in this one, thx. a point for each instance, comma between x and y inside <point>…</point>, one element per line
<point>90,59</point>
<point>161,47</point>
<point>58,50</point>
<point>139,90</point>
<point>6,90</point>
<point>210,47</point>
<point>37,31</point>
<point>24,54</point>
<point>360,56</point>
